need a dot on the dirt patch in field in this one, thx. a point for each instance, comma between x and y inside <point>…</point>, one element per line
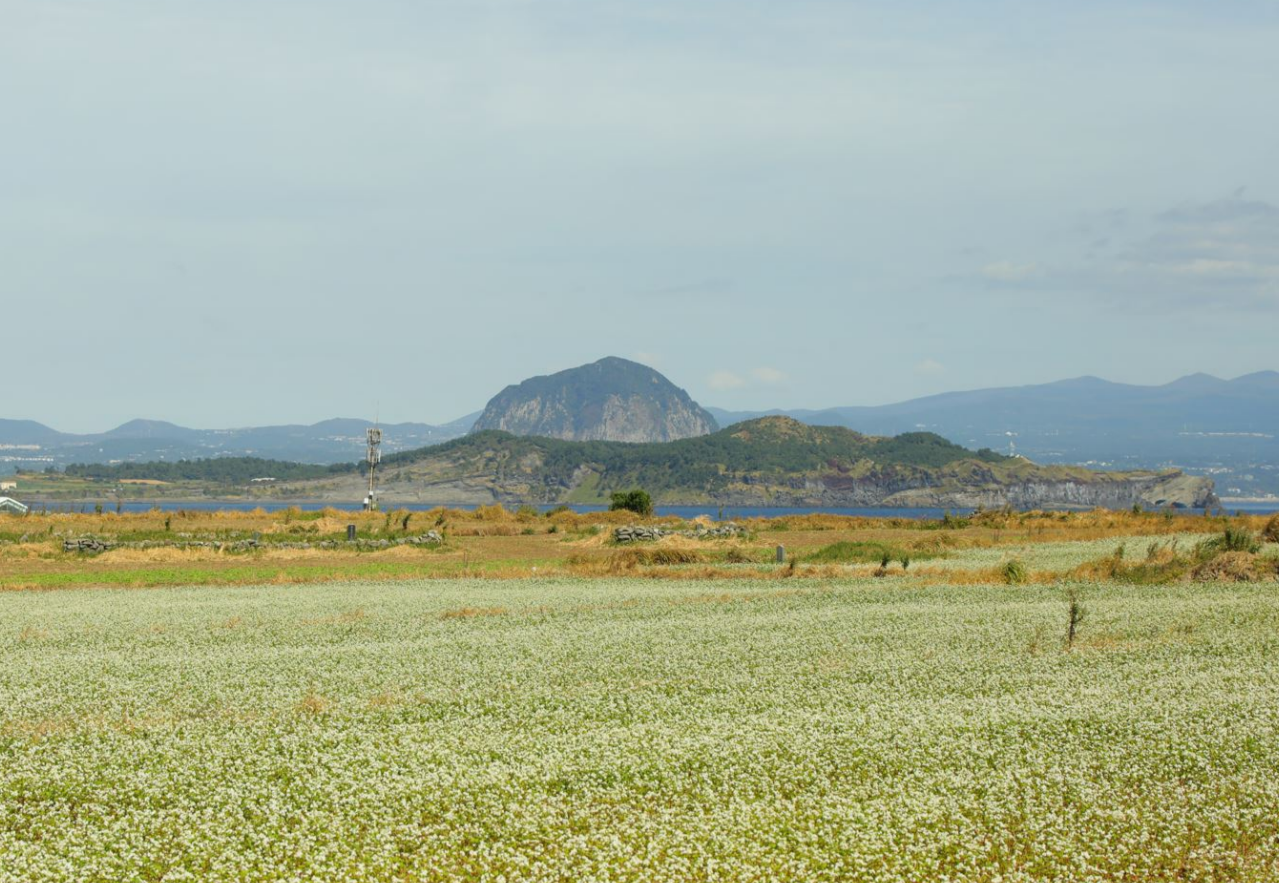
<point>405,553</point>
<point>165,555</point>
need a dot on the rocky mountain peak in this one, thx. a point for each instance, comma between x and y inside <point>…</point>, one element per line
<point>609,400</point>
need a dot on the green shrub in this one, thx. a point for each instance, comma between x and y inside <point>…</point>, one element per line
<point>1015,572</point>
<point>950,522</point>
<point>1234,539</point>
<point>637,501</point>
<point>870,552</point>
<point>1239,540</point>
<point>1153,573</point>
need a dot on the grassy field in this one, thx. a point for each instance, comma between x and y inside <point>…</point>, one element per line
<point>195,547</point>
<point>640,729</point>
<point>530,701</point>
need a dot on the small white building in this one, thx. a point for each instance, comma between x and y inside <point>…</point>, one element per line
<point>7,504</point>
<point>8,485</point>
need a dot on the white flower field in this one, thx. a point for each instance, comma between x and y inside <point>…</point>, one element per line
<point>638,729</point>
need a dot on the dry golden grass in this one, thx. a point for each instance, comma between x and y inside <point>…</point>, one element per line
<point>1099,569</point>
<point>349,617</point>
<point>974,576</point>
<point>485,529</point>
<point>38,730</point>
<point>32,633</point>
<point>634,556</point>
<point>1101,642</point>
<point>313,703</point>
<point>156,556</point>
<point>470,612</point>
<point>497,543</point>
<point>37,548</point>
<point>1235,567</point>
<point>385,700</point>
<point>401,553</point>
<point>1270,531</point>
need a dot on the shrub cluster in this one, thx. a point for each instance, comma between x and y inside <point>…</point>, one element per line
<point>1231,556</point>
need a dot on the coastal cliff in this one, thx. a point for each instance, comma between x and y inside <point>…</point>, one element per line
<point>772,461</point>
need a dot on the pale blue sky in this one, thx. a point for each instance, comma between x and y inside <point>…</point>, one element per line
<point>240,212</point>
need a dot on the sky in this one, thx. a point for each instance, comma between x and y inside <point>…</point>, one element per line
<point>241,213</point>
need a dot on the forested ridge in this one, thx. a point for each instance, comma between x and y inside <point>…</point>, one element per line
<point>767,446</point>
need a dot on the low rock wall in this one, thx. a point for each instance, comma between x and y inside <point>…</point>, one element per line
<point>92,545</point>
<point>644,534</point>
<point>86,544</point>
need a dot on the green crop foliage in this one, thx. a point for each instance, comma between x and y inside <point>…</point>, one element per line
<point>638,729</point>
<point>863,552</point>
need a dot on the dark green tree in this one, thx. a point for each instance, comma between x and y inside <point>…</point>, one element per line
<point>637,501</point>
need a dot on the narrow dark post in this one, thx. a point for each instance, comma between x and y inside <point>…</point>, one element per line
<point>781,554</point>
<point>350,533</point>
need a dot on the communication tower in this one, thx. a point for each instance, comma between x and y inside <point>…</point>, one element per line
<point>373,457</point>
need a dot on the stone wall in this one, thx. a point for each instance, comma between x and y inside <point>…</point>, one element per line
<point>644,534</point>
<point>92,545</point>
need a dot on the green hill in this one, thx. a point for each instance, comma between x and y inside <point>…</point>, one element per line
<point>768,461</point>
<point>771,461</point>
<point>214,470</point>
<point>768,447</point>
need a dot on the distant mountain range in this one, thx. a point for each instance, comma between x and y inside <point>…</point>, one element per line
<point>1198,421</point>
<point>1228,429</point>
<point>29,445</point>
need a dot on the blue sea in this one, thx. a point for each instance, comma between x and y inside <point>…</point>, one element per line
<point>727,513</point>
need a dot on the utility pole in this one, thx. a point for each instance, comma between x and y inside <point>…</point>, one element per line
<point>373,457</point>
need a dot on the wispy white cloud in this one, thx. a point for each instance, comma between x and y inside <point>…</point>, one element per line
<point>1222,252</point>
<point>724,380</point>
<point>760,377</point>
<point>930,368</point>
<point>768,376</point>
<point>1009,271</point>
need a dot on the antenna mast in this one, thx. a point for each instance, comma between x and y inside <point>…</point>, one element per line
<point>373,457</point>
